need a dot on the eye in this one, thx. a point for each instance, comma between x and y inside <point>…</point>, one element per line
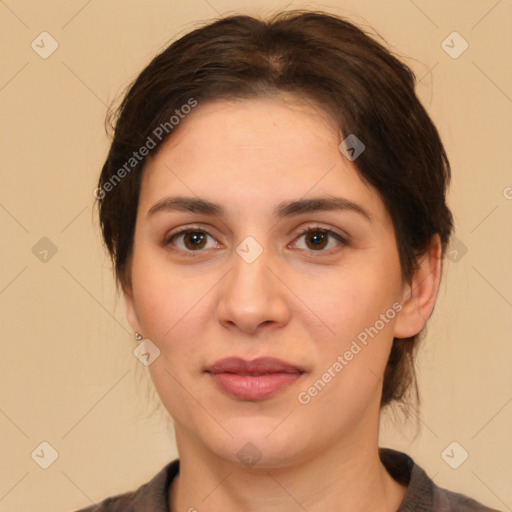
<point>190,240</point>
<point>317,239</point>
<point>195,240</point>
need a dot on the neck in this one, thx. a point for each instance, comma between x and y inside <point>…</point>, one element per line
<point>344,477</point>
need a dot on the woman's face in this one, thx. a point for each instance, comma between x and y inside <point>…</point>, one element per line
<point>249,284</point>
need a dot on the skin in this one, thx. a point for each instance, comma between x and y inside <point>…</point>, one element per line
<point>296,303</point>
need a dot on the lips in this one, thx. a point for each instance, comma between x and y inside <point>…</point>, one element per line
<point>254,380</point>
<point>261,366</point>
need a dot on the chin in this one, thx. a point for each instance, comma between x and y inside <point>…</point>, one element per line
<point>258,443</point>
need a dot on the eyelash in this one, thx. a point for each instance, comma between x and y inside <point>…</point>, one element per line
<point>309,229</point>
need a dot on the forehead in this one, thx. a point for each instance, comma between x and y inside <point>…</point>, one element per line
<point>251,152</point>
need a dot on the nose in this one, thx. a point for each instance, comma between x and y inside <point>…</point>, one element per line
<point>253,296</point>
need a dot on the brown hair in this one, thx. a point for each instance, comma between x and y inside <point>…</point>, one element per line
<point>325,60</point>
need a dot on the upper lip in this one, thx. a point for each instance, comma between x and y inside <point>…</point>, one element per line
<point>258,366</point>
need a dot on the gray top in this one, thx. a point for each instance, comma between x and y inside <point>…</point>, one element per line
<point>422,494</point>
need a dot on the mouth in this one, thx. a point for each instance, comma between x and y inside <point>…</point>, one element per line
<point>254,380</point>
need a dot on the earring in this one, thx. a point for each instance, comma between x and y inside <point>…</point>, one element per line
<point>138,336</point>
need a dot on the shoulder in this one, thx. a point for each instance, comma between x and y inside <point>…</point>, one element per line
<point>423,495</point>
<point>150,497</point>
<point>445,500</point>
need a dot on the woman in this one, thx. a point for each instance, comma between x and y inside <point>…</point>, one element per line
<point>274,204</point>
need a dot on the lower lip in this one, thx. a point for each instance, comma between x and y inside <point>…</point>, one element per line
<point>257,387</point>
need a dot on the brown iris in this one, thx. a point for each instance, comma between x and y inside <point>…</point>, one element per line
<point>197,240</point>
<point>319,239</point>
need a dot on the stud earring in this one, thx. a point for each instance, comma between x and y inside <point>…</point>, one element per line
<point>138,336</point>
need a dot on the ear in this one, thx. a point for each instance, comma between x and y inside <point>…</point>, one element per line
<point>419,296</point>
<point>130,308</point>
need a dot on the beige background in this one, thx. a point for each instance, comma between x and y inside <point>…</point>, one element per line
<point>68,375</point>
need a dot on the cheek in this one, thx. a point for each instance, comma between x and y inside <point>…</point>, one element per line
<point>174,308</point>
<point>165,295</point>
<point>360,308</point>
<point>355,300</point>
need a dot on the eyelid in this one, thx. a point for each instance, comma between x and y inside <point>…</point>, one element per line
<point>183,230</point>
<point>343,239</point>
<point>328,229</point>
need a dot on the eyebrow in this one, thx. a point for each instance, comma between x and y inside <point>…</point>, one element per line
<point>283,209</point>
